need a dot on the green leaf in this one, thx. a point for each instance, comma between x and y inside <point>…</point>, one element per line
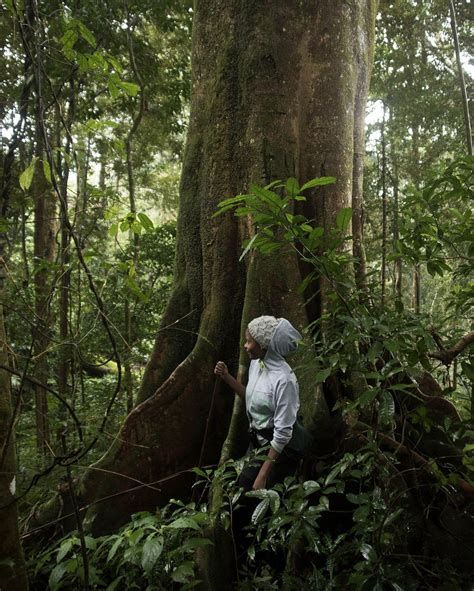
<point>322,375</point>
<point>114,549</point>
<point>332,475</point>
<point>248,247</point>
<point>310,487</point>
<point>90,542</point>
<point>374,351</point>
<point>184,523</point>
<point>343,218</point>
<point>392,345</point>
<point>183,572</point>
<point>57,574</point>
<point>145,222</point>
<point>64,549</point>
<point>114,584</point>
<point>386,408</point>
<point>367,396</point>
<point>113,88</point>
<point>47,171</point>
<point>198,543</point>
<point>113,230</point>
<point>468,370</point>
<point>152,550</point>
<point>86,34</point>
<point>129,87</point>
<point>368,552</point>
<point>260,510</point>
<point>26,177</point>
<point>292,186</point>
<point>321,181</point>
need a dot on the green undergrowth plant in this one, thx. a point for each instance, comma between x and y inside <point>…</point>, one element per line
<point>350,527</point>
<point>152,551</point>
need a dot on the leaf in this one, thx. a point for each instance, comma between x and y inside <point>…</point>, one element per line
<point>26,177</point>
<point>57,574</point>
<point>332,475</point>
<point>184,523</point>
<point>368,552</point>
<point>321,181</point>
<point>260,510</point>
<point>198,543</point>
<point>114,584</point>
<point>64,549</point>
<point>114,549</point>
<point>113,88</point>
<point>322,375</point>
<point>145,222</point>
<point>375,351</point>
<point>183,572</point>
<point>310,487</point>
<point>324,502</point>
<point>343,218</point>
<point>387,408</point>
<point>86,34</point>
<point>292,186</point>
<point>113,230</point>
<point>152,550</point>
<point>248,247</point>
<point>47,171</point>
<point>468,369</point>
<point>130,88</point>
<point>367,396</point>
<point>90,542</point>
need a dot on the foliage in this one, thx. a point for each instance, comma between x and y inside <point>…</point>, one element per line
<point>380,356</point>
<point>153,551</point>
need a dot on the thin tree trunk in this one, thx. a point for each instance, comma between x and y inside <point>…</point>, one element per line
<point>44,254</point>
<point>134,238</point>
<point>383,279</point>
<point>416,179</point>
<point>462,82</point>
<point>65,352</point>
<point>397,271</point>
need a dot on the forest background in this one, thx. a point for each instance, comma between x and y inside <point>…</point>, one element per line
<point>95,105</point>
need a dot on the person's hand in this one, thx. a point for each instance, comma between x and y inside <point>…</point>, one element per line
<point>221,369</point>
<point>260,482</point>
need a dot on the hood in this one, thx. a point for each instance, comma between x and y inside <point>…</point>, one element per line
<point>284,341</point>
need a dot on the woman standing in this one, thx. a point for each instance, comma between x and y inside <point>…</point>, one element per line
<point>271,401</point>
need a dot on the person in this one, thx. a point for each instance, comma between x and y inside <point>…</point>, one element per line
<point>271,401</point>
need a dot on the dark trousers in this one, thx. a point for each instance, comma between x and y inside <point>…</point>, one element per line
<point>285,465</point>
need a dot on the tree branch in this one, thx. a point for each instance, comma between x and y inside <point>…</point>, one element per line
<point>447,356</point>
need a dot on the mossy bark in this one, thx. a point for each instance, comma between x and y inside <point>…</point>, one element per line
<point>275,93</point>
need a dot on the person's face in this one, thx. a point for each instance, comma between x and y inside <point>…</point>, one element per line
<point>253,349</point>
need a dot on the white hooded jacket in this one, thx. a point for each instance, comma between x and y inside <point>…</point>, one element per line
<point>272,393</point>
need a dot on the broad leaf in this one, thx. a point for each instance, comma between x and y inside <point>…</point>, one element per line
<point>26,177</point>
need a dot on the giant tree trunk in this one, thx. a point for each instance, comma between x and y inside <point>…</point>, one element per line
<point>277,90</point>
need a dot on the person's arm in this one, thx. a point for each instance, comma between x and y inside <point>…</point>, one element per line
<point>286,408</point>
<point>266,468</point>
<point>222,371</point>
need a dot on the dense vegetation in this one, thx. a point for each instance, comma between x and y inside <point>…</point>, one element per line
<point>95,103</point>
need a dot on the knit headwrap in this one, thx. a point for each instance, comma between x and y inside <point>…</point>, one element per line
<point>262,328</point>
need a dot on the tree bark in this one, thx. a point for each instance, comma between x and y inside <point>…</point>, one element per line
<point>276,92</point>
<point>462,82</point>
<point>44,254</point>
